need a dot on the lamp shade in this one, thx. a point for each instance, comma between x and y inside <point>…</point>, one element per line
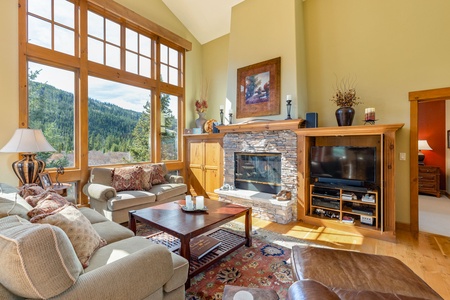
<point>423,145</point>
<point>28,142</point>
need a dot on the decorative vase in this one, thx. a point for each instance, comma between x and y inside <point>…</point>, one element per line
<point>344,116</point>
<point>200,122</point>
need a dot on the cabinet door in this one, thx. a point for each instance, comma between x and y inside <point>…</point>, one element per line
<point>195,172</point>
<point>213,170</point>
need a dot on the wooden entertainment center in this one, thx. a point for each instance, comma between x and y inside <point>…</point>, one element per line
<point>338,203</point>
<point>205,165</point>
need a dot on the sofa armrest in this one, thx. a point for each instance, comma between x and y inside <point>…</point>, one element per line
<point>146,271</point>
<point>99,192</point>
<point>174,178</point>
<point>310,289</point>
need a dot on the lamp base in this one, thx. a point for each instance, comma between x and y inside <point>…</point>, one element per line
<point>421,158</point>
<point>28,168</point>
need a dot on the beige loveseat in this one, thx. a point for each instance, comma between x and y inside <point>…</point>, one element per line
<point>115,205</point>
<point>38,261</point>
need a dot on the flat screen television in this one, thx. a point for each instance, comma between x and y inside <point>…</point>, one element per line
<point>343,164</point>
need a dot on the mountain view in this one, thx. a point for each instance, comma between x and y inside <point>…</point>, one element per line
<point>116,135</point>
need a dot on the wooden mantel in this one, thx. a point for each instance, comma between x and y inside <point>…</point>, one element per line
<point>262,125</point>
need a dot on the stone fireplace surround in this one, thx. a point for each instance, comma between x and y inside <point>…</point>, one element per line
<point>258,139</point>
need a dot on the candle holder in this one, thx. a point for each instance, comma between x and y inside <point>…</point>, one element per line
<point>288,107</point>
<point>231,118</point>
<point>221,116</point>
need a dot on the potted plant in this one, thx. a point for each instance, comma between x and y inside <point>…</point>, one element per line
<point>345,97</point>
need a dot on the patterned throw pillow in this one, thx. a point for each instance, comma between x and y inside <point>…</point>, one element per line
<point>157,174</point>
<point>85,240</point>
<point>146,177</point>
<point>127,178</point>
<point>31,189</point>
<point>46,204</point>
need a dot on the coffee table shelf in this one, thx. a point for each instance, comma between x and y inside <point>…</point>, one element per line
<point>230,242</point>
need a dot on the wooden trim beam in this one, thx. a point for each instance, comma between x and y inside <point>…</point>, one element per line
<point>261,126</point>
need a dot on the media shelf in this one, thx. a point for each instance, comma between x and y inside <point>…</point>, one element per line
<point>380,136</point>
<point>346,206</point>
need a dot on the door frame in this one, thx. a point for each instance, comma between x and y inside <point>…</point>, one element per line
<point>415,98</point>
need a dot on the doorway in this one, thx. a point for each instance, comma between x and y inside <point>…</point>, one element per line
<point>415,98</point>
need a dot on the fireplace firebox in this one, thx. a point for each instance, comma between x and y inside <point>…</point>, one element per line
<point>258,172</point>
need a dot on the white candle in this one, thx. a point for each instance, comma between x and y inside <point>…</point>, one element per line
<point>221,107</point>
<point>289,97</point>
<point>199,202</point>
<point>231,111</point>
<point>189,203</point>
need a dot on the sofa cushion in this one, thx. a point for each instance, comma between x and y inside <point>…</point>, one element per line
<point>85,240</point>
<point>37,260</point>
<point>168,190</point>
<point>127,178</point>
<point>112,232</point>
<point>92,215</point>
<point>127,199</point>
<point>10,193</point>
<point>10,208</point>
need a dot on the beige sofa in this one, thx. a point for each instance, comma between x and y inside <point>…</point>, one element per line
<point>39,262</point>
<point>115,205</point>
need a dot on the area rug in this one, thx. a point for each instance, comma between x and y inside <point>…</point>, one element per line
<point>266,265</point>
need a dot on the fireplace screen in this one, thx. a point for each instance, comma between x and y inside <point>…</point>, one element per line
<point>258,172</point>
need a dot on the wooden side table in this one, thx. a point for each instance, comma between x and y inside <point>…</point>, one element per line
<point>429,180</point>
<point>61,188</point>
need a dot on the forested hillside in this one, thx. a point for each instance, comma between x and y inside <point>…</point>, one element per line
<point>52,110</point>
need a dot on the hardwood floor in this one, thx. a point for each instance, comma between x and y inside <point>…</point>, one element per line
<point>427,256</point>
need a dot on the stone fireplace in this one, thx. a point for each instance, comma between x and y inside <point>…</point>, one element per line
<point>279,143</point>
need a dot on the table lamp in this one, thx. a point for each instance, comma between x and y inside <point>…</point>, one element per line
<point>423,145</point>
<point>28,142</point>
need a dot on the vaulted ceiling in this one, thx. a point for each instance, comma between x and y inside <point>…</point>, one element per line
<point>205,19</point>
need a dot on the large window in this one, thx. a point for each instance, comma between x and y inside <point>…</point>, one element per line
<point>105,88</point>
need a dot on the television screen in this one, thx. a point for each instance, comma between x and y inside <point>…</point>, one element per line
<point>343,162</point>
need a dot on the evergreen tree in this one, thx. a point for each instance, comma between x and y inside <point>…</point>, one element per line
<point>140,143</point>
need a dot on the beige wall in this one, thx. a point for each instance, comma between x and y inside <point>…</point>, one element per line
<point>392,47</point>
<point>262,30</point>
<point>215,74</point>
<point>9,85</point>
<point>154,10</point>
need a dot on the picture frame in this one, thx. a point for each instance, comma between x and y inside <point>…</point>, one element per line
<point>258,89</point>
<point>45,180</point>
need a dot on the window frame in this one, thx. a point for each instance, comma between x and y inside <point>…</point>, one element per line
<point>82,68</point>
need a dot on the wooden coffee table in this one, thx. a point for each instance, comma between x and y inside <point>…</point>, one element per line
<point>179,227</point>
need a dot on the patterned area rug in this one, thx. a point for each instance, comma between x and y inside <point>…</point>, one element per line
<point>266,264</point>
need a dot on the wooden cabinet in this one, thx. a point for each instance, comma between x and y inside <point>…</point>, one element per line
<point>380,136</point>
<point>429,180</point>
<point>349,206</point>
<point>204,164</point>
